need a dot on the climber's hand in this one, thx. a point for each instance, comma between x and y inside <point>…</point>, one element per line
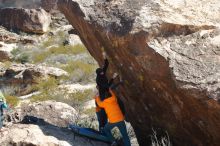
<point>115,75</point>
<point>104,55</point>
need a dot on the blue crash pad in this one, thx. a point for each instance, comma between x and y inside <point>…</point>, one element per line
<point>90,133</point>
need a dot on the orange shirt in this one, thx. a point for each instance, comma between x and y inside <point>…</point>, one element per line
<point>97,109</point>
<point>111,107</point>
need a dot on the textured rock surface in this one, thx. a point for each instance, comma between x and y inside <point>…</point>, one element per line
<point>46,131</point>
<point>28,20</point>
<point>52,112</point>
<point>11,37</point>
<point>30,71</point>
<point>74,40</point>
<point>23,75</point>
<point>42,135</point>
<point>168,54</point>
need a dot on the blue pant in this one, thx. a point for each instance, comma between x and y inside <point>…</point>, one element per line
<point>1,114</point>
<point>122,128</point>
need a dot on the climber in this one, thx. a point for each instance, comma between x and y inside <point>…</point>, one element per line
<point>2,106</point>
<point>115,117</point>
<point>100,112</point>
<point>101,79</point>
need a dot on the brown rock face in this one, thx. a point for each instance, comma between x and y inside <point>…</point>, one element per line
<point>167,53</point>
<point>4,55</point>
<point>27,20</point>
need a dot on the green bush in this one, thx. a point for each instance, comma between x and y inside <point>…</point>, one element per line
<point>20,56</point>
<point>48,42</point>
<point>79,71</point>
<point>73,65</point>
<point>23,58</point>
<point>78,98</point>
<point>74,99</point>
<point>16,51</point>
<point>50,91</point>
<point>12,100</point>
<point>77,49</point>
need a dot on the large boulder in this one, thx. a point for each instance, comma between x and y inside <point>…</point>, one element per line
<point>55,113</point>
<point>27,20</point>
<point>42,124</point>
<point>23,75</point>
<point>167,53</point>
<point>30,71</point>
<point>42,135</point>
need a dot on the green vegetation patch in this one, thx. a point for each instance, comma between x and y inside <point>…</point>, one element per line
<point>68,49</point>
<point>84,67</point>
<point>12,100</point>
<point>20,56</point>
<point>79,71</point>
<point>50,91</point>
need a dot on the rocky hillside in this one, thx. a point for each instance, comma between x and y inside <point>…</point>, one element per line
<point>167,53</point>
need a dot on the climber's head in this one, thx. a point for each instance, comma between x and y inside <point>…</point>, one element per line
<point>99,71</point>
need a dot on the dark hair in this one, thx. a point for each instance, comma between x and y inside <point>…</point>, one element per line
<point>99,70</point>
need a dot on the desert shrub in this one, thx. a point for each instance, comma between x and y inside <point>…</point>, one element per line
<point>56,50</point>
<point>23,58</point>
<point>7,64</point>
<point>78,98</point>
<point>163,141</point>
<point>79,71</point>
<point>46,84</point>
<point>9,93</point>
<point>68,49</point>
<point>11,90</point>
<point>46,87</point>
<point>20,56</point>
<point>48,42</point>
<point>73,99</point>
<point>73,65</point>
<point>54,39</point>
<point>86,119</point>
<point>49,90</point>
<point>12,100</point>
<point>16,51</point>
<point>58,38</point>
